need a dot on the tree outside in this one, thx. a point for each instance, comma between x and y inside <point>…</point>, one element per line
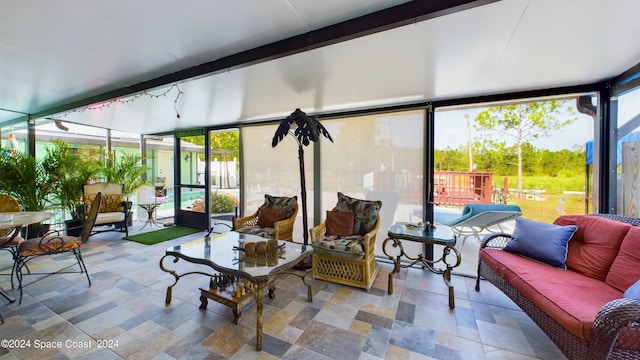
<point>522,123</point>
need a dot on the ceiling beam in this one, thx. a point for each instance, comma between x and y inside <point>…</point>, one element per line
<point>400,15</point>
<point>626,81</point>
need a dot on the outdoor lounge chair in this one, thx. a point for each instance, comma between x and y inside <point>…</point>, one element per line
<point>476,218</point>
<point>115,211</point>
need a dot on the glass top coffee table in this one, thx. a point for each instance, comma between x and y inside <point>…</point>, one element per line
<point>426,234</point>
<point>222,254</point>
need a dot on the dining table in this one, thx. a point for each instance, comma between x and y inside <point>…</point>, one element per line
<point>16,221</point>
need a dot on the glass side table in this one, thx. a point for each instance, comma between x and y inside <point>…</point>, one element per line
<point>426,234</point>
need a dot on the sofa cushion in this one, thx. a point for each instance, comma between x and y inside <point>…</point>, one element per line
<point>365,212</point>
<point>268,216</point>
<point>281,202</point>
<point>57,243</point>
<point>541,241</point>
<point>109,217</point>
<point>104,188</point>
<point>595,245</point>
<point>342,247</point>
<point>112,202</point>
<point>625,270</point>
<point>554,290</point>
<point>339,223</point>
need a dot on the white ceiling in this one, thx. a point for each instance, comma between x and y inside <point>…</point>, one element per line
<point>59,52</point>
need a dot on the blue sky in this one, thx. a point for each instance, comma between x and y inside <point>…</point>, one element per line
<point>451,130</point>
<point>451,126</point>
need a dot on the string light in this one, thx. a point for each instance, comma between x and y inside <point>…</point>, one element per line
<point>175,102</point>
<point>127,100</point>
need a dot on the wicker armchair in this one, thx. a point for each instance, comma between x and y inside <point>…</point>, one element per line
<point>337,269</point>
<point>281,230</point>
<point>344,258</point>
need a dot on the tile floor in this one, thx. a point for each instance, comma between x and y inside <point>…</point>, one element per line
<point>124,309</point>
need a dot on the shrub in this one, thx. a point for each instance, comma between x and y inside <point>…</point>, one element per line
<point>223,202</point>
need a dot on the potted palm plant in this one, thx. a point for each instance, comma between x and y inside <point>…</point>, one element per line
<point>27,180</point>
<point>127,169</point>
<point>69,172</point>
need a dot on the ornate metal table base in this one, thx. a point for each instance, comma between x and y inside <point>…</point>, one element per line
<point>222,260</point>
<point>395,236</point>
<point>151,210</point>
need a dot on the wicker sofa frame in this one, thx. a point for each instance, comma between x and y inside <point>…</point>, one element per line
<point>359,273</point>
<point>608,340</point>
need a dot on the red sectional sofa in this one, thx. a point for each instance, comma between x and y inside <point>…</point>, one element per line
<point>581,308</point>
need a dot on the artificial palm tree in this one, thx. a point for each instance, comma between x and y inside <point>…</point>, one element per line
<point>304,129</point>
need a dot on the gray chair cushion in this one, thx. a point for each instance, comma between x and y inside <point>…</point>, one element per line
<point>342,247</point>
<point>263,232</point>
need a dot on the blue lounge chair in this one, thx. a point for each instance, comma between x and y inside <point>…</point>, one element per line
<point>476,218</point>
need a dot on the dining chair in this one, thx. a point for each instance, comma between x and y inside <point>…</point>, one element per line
<point>9,239</point>
<point>55,242</point>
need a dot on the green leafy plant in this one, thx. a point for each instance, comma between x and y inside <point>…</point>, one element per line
<point>69,172</point>
<point>26,179</point>
<point>223,202</point>
<point>127,169</point>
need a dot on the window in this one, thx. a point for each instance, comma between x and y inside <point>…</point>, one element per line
<point>376,157</point>
<point>628,153</point>
<point>501,153</point>
<point>274,171</point>
<point>159,161</point>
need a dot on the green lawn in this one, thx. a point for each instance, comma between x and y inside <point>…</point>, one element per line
<point>548,208</point>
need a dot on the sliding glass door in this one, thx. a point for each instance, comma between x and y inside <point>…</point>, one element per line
<point>191,186</point>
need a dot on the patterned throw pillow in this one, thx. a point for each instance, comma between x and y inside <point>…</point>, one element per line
<point>281,202</point>
<point>90,198</point>
<point>112,202</point>
<point>365,212</point>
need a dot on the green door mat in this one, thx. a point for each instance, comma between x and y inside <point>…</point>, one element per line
<point>158,236</point>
